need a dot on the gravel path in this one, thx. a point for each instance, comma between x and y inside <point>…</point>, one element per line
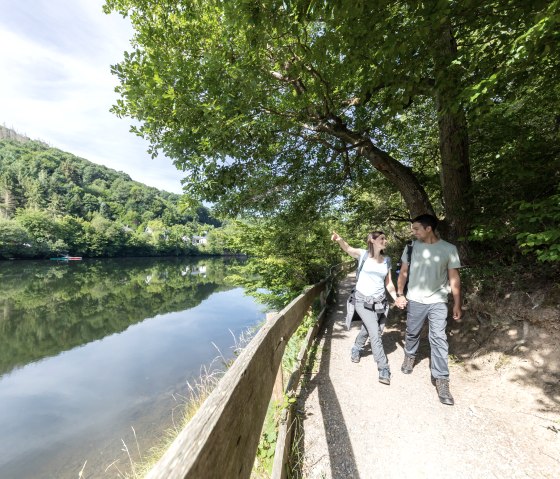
<point>502,424</point>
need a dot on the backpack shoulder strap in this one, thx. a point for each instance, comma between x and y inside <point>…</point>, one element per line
<point>362,261</point>
<point>409,247</point>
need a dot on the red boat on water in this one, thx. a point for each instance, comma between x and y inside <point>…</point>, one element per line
<point>67,258</point>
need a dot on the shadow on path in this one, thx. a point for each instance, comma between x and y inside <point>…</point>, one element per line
<point>341,455</point>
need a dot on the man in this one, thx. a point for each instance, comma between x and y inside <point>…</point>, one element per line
<point>433,266</point>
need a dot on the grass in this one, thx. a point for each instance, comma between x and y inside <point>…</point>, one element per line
<point>453,359</point>
<point>503,360</point>
<point>267,445</point>
<point>295,463</point>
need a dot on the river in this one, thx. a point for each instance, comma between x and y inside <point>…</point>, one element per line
<point>95,357</point>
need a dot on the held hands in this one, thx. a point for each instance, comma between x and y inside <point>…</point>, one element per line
<point>401,302</point>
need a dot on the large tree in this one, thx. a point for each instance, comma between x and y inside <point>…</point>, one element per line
<point>266,104</point>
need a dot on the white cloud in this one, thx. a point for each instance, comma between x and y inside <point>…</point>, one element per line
<point>56,84</point>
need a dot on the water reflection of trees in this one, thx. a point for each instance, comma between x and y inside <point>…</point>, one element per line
<point>48,308</point>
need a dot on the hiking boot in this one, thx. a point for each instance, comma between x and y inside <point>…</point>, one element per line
<point>407,364</point>
<point>442,387</point>
<point>355,355</point>
<point>385,376</point>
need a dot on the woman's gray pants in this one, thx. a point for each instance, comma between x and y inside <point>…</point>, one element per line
<point>361,339</point>
<point>369,318</point>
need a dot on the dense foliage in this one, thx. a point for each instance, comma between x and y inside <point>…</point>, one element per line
<point>288,257</point>
<point>52,202</point>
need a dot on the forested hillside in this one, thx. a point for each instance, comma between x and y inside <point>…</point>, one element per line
<point>52,202</point>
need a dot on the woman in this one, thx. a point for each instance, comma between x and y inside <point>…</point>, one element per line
<point>371,303</point>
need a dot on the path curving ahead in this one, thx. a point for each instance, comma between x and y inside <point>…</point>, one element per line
<point>502,424</point>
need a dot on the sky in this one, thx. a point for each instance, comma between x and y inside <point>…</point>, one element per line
<point>56,84</point>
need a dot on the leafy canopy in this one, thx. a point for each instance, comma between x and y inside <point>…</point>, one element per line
<point>265,105</point>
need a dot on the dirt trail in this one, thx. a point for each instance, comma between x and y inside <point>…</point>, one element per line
<point>505,422</point>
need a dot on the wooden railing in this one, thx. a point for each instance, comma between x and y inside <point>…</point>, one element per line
<point>221,439</point>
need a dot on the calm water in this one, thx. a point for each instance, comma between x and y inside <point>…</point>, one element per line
<point>90,350</point>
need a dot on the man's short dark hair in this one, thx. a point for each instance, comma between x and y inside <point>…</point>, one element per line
<point>426,220</point>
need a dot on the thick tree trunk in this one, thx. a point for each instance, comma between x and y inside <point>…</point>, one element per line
<point>453,139</point>
<point>399,175</point>
<point>402,177</point>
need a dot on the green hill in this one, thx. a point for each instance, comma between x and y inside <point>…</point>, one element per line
<point>52,201</point>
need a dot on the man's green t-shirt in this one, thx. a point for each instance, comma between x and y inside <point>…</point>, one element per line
<point>428,281</point>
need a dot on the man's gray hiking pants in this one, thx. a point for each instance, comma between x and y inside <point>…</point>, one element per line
<point>437,321</point>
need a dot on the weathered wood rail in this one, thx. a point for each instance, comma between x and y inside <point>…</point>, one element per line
<point>221,439</point>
